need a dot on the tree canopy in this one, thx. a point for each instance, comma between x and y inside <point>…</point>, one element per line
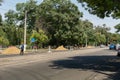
<point>52,22</point>
<point>1,1</point>
<point>117,27</point>
<point>62,18</point>
<point>102,8</point>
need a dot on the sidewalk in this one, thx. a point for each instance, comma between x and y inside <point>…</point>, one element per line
<point>39,51</point>
<point>10,60</point>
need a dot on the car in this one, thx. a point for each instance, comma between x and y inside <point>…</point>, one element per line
<point>112,46</point>
<point>102,46</point>
<point>118,51</point>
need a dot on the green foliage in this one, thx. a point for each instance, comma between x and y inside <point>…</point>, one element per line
<point>62,18</point>
<point>40,37</point>
<point>3,39</point>
<point>102,8</point>
<point>117,27</point>
<point>115,38</point>
<point>13,33</point>
<point>1,1</point>
<point>85,31</point>
<point>11,17</point>
<point>57,22</point>
<point>1,20</point>
<point>100,38</point>
<point>104,31</point>
<point>30,8</point>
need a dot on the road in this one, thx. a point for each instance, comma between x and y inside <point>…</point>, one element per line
<point>90,64</point>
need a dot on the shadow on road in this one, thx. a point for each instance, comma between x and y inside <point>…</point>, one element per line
<point>95,63</point>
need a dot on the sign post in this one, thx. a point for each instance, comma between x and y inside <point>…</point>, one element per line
<point>34,46</point>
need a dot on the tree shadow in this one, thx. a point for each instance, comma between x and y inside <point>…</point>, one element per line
<point>95,63</point>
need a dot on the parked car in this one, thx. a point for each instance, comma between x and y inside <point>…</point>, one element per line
<point>118,51</point>
<point>112,46</point>
<point>102,46</point>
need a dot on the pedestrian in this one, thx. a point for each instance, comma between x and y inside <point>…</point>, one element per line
<point>21,49</point>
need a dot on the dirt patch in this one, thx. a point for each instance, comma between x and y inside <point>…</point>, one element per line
<point>90,46</point>
<point>11,50</point>
<point>61,48</point>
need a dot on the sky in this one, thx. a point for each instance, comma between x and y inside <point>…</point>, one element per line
<point>10,4</point>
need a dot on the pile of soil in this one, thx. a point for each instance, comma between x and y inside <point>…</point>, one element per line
<point>61,48</point>
<point>0,51</point>
<point>90,46</point>
<point>11,50</point>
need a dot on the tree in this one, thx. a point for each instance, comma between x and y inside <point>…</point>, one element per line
<point>60,20</point>
<point>99,38</point>
<point>39,37</point>
<point>11,28</point>
<point>3,39</point>
<point>1,1</point>
<point>30,8</point>
<point>13,33</point>
<point>11,18</point>
<point>117,27</point>
<point>115,38</point>
<point>86,32</point>
<point>0,14</point>
<point>1,20</point>
<point>102,8</point>
<point>103,30</point>
<point>14,22</point>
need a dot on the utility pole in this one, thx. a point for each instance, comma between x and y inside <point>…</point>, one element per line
<point>25,27</point>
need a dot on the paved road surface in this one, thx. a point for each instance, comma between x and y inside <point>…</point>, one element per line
<point>91,64</point>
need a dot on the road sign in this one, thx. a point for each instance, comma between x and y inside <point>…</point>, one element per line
<point>33,40</point>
